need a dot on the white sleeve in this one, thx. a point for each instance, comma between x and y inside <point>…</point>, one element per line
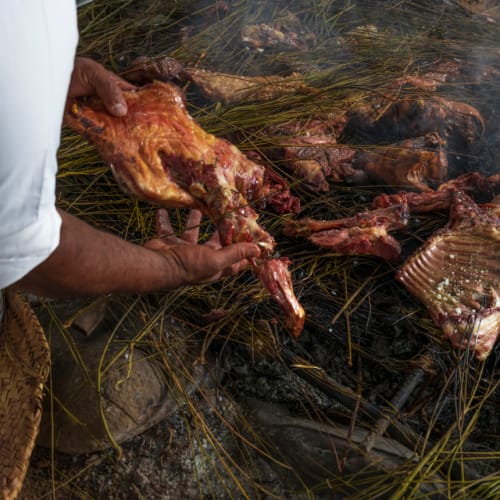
<point>38,43</point>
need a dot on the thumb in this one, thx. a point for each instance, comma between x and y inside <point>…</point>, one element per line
<point>112,97</point>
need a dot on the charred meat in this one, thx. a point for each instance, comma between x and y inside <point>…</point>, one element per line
<point>310,150</point>
<point>146,69</point>
<point>459,124</point>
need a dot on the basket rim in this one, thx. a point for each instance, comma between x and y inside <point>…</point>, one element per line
<point>24,367</point>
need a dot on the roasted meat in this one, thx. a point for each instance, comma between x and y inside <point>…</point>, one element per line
<point>414,163</point>
<point>472,184</point>
<point>317,160</point>
<point>457,123</point>
<point>146,69</point>
<point>429,201</point>
<point>231,89</point>
<point>373,240</point>
<point>447,71</point>
<point>440,73</point>
<point>223,87</point>
<point>286,34</point>
<point>309,149</point>
<point>456,275</point>
<point>161,155</point>
<point>364,234</point>
<point>492,207</point>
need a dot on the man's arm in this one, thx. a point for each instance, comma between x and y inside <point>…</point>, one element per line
<point>90,262</point>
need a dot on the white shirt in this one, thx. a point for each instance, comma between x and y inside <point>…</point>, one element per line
<point>38,41</point>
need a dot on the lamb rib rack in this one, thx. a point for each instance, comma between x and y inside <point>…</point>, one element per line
<point>161,155</point>
<point>456,274</point>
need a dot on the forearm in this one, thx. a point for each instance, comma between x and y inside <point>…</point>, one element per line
<point>90,262</point>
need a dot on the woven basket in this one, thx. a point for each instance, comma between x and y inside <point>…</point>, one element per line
<point>24,366</point>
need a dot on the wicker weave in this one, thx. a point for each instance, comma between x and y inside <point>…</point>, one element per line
<point>24,366</point>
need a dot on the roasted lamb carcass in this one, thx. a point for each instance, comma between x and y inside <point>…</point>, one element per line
<point>230,89</point>
<point>216,86</point>
<point>367,233</point>
<point>309,149</point>
<point>161,155</point>
<point>311,152</point>
<point>456,274</point>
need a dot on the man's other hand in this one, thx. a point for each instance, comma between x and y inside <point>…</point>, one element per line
<point>192,263</point>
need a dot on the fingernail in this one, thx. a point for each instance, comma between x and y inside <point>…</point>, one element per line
<point>119,109</point>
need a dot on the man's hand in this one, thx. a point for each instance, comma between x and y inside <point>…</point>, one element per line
<point>91,78</point>
<point>193,263</point>
<point>90,262</point>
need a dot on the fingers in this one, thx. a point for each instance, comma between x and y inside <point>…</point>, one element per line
<point>163,224</point>
<point>200,263</point>
<point>165,230</point>
<point>192,226</point>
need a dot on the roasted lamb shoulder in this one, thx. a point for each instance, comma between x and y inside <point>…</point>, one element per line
<point>456,275</point>
<point>161,155</point>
